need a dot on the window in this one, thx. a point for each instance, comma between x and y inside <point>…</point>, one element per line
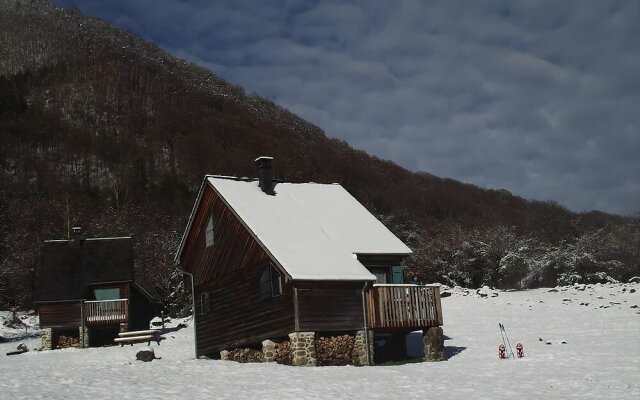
<point>205,304</point>
<point>270,282</point>
<point>276,282</point>
<point>209,232</point>
<point>381,273</point>
<point>107,294</point>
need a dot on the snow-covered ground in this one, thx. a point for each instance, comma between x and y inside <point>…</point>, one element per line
<point>600,360</point>
<point>28,328</point>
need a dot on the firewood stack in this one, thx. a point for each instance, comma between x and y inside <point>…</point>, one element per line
<point>68,341</point>
<point>283,353</point>
<point>246,355</point>
<point>335,350</point>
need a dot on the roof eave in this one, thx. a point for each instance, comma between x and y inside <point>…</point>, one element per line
<point>176,259</point>
<point>341,279</point>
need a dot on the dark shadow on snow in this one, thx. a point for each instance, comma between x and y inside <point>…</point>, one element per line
<point>452,351</point>
<point>174,329</point>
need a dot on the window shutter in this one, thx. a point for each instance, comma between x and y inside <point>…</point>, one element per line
<point>276,283</point>
<point>265,282</point>
<point>397,274</point>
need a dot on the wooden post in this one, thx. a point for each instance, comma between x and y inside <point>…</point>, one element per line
<point>295,309</point>
<point>436,296</point>
<point>82,323</point>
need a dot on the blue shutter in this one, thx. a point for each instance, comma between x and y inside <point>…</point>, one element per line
<point>397,274</point>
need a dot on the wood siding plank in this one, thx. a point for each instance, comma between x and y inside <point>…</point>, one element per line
<point>240,314</point>
<point>60,315</point>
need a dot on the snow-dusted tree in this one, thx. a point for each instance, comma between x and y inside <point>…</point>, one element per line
<point>515,265</point>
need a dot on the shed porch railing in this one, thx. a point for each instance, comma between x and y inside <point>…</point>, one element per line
<point>106,311</point>
<point>403,307</point>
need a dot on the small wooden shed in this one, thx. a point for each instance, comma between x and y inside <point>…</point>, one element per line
<point>270,259</point>
<point>86,292</point>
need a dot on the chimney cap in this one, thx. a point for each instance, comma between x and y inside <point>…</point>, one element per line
<point>263,161</point>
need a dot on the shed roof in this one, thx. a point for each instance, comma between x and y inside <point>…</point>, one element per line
<point>314,231</point>
<point>66,269</point>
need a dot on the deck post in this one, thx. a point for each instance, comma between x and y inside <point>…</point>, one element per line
<point>269,351</point>
<point>84,341</point>
<point>364,348</point>
<point>433,344</point>
<point>83,331</point>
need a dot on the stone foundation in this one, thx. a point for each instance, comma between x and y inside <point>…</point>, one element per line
<point>45,335</point>
<point>433,344</point>
<point>84,337</point>
<point>303,348</point>
<point>269,351</point>
<point>360,347</point>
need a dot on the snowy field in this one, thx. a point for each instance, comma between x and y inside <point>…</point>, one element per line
<point>600,360</point>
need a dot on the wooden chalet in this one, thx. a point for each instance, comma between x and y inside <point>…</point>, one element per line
<point>86,292</point>
<point>271,260</point>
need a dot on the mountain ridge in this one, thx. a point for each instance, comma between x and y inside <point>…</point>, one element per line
<point>104,130</point>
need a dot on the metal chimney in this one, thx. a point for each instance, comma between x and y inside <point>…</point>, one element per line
<point>265,174</point>
<point>76,236</point>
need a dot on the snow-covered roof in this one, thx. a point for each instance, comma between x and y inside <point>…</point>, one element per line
<point>312,230</point>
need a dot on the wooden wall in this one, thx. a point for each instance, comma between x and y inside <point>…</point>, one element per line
<point>241,314</point>
<point>325,306</point>
<point>57,315</point>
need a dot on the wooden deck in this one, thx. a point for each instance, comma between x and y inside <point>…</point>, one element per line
<point>106,312</point>
<point>403,307</point>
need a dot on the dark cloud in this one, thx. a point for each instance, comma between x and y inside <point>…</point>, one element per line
<point>538,97</point>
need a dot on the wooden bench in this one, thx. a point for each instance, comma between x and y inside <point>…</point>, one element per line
<point>138,337</point>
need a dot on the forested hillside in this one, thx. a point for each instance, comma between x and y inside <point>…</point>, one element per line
<point>102,130</point>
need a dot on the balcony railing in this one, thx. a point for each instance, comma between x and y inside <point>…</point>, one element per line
<point>404,307</point>
<point>104,312</point>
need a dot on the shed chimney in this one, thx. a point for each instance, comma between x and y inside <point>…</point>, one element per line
<point>265,174</point>
<point>76,236</point>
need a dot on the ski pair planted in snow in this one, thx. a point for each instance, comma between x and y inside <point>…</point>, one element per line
<point>502,349</point>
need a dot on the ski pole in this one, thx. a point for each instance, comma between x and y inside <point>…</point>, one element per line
<point>507,336</point>
<point>504,343</point>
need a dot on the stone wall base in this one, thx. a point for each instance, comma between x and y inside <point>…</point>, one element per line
<point>269,351</point>
<point>361,348</point>
<point>434,344</point>
<point>303,348</point>
<point>46,336</point>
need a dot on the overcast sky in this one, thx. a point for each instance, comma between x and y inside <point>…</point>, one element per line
<point>541,98</point>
